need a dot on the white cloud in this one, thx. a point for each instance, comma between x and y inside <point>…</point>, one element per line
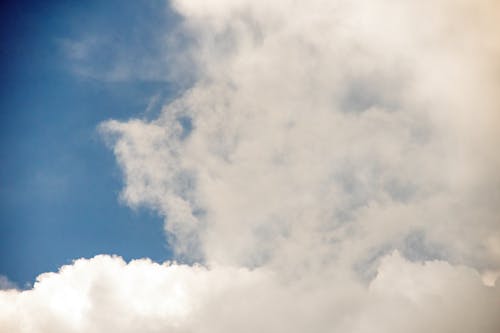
<point>106,294</point>
<point>341,175</point>
<point>324,124</point>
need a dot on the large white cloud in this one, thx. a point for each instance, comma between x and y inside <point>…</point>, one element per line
<point>335,166</point>
<point>325,123</point>
<point>105,294</point>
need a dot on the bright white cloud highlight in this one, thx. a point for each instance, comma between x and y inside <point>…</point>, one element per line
<point>106,294</point>
<point>335,167</point>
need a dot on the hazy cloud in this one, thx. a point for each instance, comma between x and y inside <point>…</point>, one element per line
<point>6,284</point>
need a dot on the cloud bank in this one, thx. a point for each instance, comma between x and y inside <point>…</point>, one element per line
<point>333,168</point>
<point>105,294</point>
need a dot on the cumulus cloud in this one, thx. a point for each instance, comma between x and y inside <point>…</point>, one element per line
<point>324,124</point>
<point>334,168</point>
<point>106,294</point>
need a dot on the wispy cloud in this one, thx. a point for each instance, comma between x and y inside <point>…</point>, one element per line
<point>129,43</point>
<point>6,284</point>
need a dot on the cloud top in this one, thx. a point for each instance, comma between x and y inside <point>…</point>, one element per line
<point>105,294</point>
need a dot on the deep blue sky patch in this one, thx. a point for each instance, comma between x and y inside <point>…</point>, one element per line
<point>66,66</point>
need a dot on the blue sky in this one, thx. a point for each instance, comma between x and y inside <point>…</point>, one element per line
<point>59,183</point>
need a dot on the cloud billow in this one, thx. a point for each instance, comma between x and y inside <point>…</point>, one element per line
<point>334,168</point>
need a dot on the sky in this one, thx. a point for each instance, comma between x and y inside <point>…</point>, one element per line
<point>59,181</point>
<point>251,166</point>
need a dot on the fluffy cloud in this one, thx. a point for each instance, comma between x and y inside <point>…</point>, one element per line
<point>338,127</point>
<point>105,294</point>
<point>334,167</point>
